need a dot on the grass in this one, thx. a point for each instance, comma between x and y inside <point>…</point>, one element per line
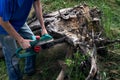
<point>73,70</point>
<point>109,64</point>
<point>3,73</point>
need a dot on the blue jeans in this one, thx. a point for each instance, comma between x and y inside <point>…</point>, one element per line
<point>9,47</point>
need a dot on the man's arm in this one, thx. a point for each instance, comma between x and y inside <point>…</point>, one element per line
<point>11,31</point>
<point>38,9</point>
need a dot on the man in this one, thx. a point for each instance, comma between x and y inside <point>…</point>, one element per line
<point>13,14</point>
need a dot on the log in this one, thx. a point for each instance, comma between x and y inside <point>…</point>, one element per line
<point>79,27</point>
<point>82,27</point>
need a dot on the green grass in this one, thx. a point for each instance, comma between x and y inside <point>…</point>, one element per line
<point>3,73</point>
<point>73,70</point>
<point>109,64</point>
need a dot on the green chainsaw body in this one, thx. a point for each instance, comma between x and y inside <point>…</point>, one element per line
<point>30,52</point>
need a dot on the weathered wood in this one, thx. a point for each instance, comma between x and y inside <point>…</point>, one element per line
<point>79,27</point>
<point>82,28</point>
<point>93,70</point>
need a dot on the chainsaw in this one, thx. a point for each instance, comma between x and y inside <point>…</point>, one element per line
<point>36,46</point>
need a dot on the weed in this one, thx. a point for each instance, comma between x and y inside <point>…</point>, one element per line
<point>74,68</point>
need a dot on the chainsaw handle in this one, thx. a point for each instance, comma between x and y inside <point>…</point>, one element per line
<point>23,55</point>
<point>19,52</point>
<point>33,43</point>
<point>31,52</point>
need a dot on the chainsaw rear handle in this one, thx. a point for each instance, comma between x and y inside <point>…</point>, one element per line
<point>24,55</point>
<point>32,51</point>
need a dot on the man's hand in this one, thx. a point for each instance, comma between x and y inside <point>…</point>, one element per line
<point>24,43</point>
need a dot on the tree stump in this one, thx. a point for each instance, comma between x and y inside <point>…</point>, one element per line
<point>82,27</point>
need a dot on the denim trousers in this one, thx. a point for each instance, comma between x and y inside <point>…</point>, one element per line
<point>9,48</point>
